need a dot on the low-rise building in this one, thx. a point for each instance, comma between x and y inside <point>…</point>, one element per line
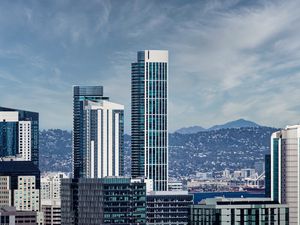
<point>225,211</point>
<point>52,212</point>
<point>168,207</point>
<point>175,186</point>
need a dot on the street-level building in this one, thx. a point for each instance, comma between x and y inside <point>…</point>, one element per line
<point>110,200</point>
<point>168,207</point>
<point>225,211</point>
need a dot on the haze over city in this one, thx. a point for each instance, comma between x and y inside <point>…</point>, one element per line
<point>227,59</point>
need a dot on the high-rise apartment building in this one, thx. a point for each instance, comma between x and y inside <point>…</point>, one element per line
<point>149,126</point>
<point>19,134</point>
<point>103,139</point>
<point>97,134</point>
<point>285,174</point>
<point>80,94</point>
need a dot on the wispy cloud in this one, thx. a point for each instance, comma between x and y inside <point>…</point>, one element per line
<point>228,59</point>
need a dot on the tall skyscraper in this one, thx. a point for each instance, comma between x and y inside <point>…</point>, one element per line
<point>98,134</point>
<point>285,174</point>
<point>19,134</point>
<point>149,125</point>
<point>80,94</point>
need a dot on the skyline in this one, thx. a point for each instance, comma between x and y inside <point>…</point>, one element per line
<point>228,60</point>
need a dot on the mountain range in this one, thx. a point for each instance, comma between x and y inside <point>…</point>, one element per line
<point>234,145</point>
<point>232,124</point>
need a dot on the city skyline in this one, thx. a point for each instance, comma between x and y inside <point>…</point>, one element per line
<point>214,79</point>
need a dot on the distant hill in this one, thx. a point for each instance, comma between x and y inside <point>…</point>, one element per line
<point>232,124</point>
<point>190,130</point>
<point>235,124</point>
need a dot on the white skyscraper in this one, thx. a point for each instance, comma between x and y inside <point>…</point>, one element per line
<point>285,174</point>
<point>103,138</point>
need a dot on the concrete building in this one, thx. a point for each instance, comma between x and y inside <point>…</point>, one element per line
<point>20,181</point>
<point>175,186</point>
<point>168,207</point>
<point>223,211</point>
<point>5,191</point>
<point>149,114</point>
<point>285,168</point>
<point>9,216</point>
<point>19,134</point>
<point>50,195</point>
<point>27,195</point>
<point>52,212</point>
<point>110,200</point>
<point>50,185</point>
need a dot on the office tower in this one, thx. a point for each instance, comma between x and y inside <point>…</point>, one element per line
<point>149,126</point>
<point>168,207</point>
<point>19,134</point>
<point>103,139</point>
<point>109,200</point>
<point>285,174</point>
<point>224,211</point>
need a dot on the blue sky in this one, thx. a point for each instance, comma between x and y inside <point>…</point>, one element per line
<point>228,59</point>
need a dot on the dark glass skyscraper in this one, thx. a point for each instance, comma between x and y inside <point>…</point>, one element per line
<point>80,94</point>
<point>19,134</point>
<point>149,125</point>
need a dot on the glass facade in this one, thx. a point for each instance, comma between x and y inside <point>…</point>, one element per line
<point>111,200</point>
<point>275,175</point>
<point>149,117</point>
<point>9,134</point>
<point>268,176</point>
<point>8,139</point>
<point>80,94</point>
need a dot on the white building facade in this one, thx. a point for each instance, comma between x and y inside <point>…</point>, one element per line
<point>27,197</point>
<point>18,135</point>
<point>285,174</point>
<point>103,139</point>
